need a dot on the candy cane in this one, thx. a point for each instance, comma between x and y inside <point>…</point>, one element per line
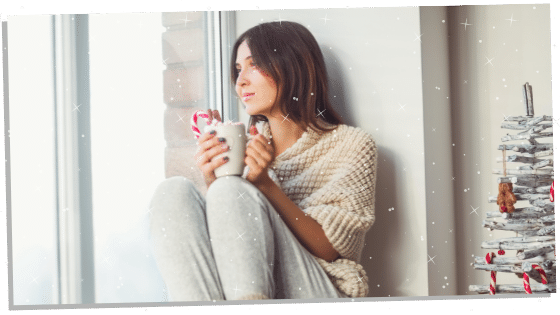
<point>552,192</point>
<point>489,257</point>
<point>526,278</point>
<point>541,272</point>
<point>526,284</point>
<point>194,122</point>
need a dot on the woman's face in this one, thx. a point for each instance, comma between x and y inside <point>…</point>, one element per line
<point>256,89</point>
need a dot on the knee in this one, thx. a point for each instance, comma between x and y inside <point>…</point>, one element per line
<point>172,198</point>
<point>174,185</point>
<point>173,190</point>
<point>233,192</point>
<point>227,187</point>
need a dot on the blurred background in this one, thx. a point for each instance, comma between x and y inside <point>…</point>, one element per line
<point>99,110</point>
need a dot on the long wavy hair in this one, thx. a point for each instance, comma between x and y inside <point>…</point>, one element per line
<point>288,52</point>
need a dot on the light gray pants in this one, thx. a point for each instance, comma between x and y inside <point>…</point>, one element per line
<point>231,246</point>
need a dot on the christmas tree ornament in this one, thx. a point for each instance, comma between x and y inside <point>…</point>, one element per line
<point>533,221</point>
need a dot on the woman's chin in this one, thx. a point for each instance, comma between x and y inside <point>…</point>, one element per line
<point>250,111</point>
<point>253,111</point>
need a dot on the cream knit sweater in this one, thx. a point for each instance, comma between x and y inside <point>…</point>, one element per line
<point>331,177</point>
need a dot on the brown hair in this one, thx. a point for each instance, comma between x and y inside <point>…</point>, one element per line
<point>289,53</point>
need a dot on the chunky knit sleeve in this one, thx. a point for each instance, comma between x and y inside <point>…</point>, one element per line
<point>344,206</point>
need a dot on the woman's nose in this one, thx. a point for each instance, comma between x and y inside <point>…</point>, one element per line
<point>241,78</point>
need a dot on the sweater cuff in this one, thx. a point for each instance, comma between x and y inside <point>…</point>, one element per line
<point>347,276</point>
<point>345,230</point>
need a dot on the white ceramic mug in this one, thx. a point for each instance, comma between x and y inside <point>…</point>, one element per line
<point>236,139</point>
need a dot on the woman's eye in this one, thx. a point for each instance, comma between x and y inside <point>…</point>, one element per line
<point>252,65</point>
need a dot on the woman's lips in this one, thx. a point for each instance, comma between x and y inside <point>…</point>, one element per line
<point>247,96</point>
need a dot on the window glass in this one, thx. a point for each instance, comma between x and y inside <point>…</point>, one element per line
<point>31,160</point>
<point>127,147</point>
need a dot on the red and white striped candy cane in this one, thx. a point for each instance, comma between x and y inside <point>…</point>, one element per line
<point>489,257</point>
<point>552,192</point>
<point>541,272</point>
<point>526,278</point>
<point>194,122</point>
<point>526,284</point>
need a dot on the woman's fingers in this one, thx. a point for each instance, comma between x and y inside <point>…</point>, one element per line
<point>262,157</point>
<point>209,154</point>
<point>250,161</point>
<point>263,143</point>
<point>217,115</point>
<point>259,155</point>
<point>210,142</point>
<point>208,170</point>
<point>205,137</point>
<point>254,168</point>
<point>209,147</point>
<point>262,146</point>
<point>214,114</point>
<point>259,160</point>
<point>207,163</point>
<point>209,167</point>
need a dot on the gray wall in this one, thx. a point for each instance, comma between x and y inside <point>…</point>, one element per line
<point>438,152</point>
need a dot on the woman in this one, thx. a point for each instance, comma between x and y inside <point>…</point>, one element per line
<point>293,225</point>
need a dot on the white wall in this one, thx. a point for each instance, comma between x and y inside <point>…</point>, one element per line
<point>374,64</point>
<point>520,52</point>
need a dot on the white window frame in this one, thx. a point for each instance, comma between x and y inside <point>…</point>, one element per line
<point>220,28</point>
<point>73,160</point>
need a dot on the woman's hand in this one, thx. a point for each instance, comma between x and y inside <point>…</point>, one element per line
<point>258,156</point>
<point>208,147</point>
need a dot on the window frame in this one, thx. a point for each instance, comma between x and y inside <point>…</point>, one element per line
<point>75,264</point>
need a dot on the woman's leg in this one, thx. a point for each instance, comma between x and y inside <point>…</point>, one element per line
<point>298,274</point>
<point>242,238</point>
<point>256,254</point>
<point>181,243</point>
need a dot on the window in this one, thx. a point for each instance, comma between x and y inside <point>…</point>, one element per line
<point>92,117</point>
<point>31,161</point>
<point>127,152</point>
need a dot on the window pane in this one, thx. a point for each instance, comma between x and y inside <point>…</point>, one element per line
<point>32,180</point>
<point>127,145</point>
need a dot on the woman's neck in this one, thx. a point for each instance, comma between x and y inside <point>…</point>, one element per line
<point>285,133</point>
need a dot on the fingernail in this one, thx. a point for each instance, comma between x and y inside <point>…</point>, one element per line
<point>226,158</point>
<point>225,146</point>
<point>222,139</point>
<point>212,132</point>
